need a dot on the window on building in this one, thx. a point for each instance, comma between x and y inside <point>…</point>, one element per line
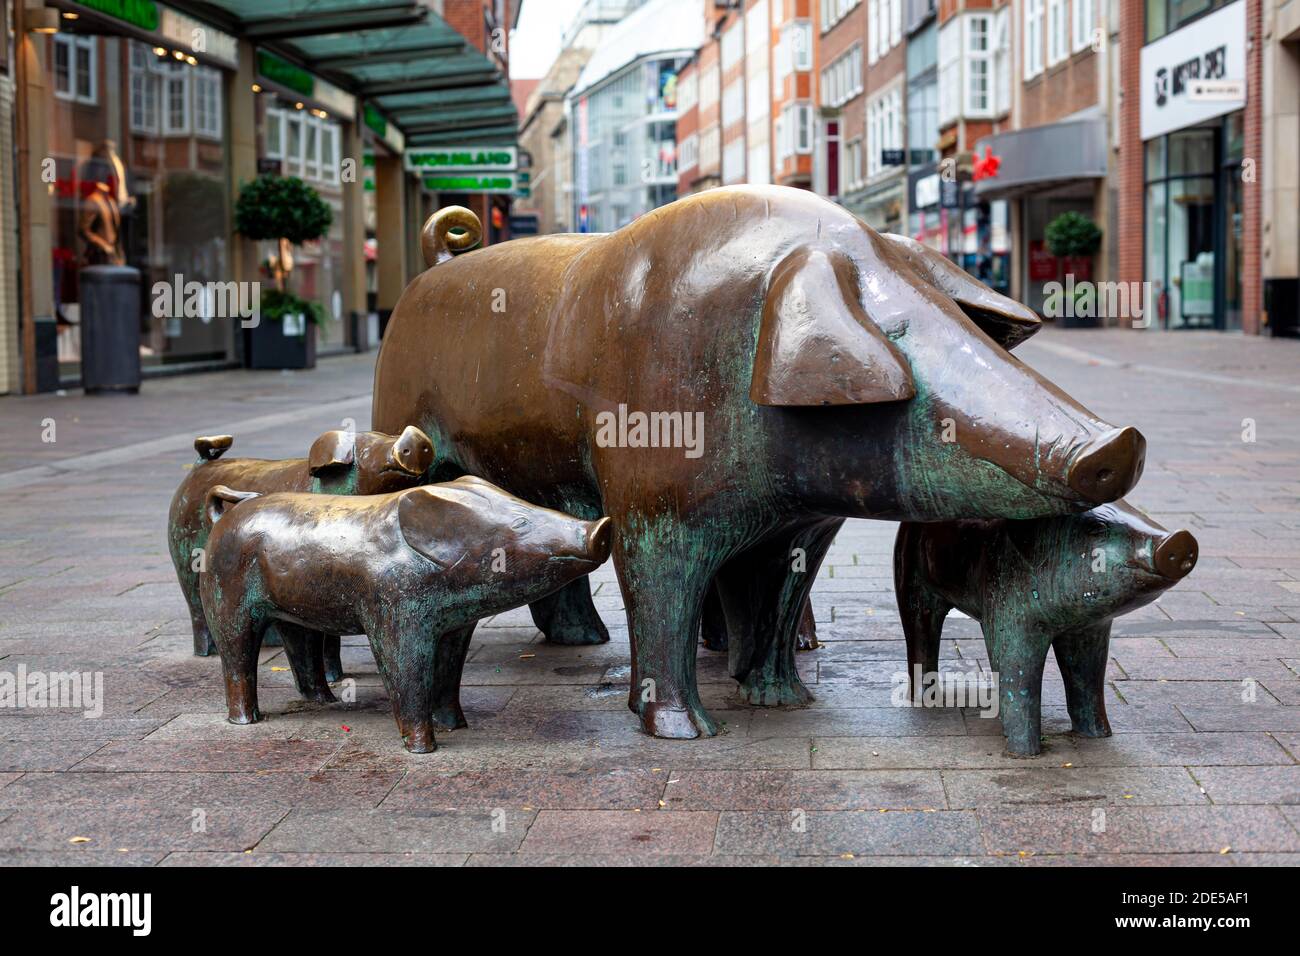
<point>1165,16</point>
<point>833,11</point>
<point>207,102</point>
<point>852,172</point>
<point>733,102</point>
<point>842,77</point>
<point>950,71</point>
<point>979,87</point>
<point>794,130</point>
<point>687,92</point>
<point>884,27</point>
<point>688,154</point>
<point>145,85</point>
<point>1058,44</point>
<point>1002,61</point>
<point>710,148</point>
<point>76,68</point>
<point>1085,22</point>
<point>796,38</point>
<point>733,162</point>
<point>1033,38</point>
<point>733,45</point>
<point>974,67</point>
<point>758,102</point>
<point>308,145</point>
<point>176,99</point>
<point>708,94</point>
<point>884,129</point>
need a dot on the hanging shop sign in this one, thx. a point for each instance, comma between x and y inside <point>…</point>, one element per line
<point>386,132</point>
<point>463,158</point>
<point>294,80</point>
<point>162,26</point>
<point>480,181</point>
<point>1195,73</point>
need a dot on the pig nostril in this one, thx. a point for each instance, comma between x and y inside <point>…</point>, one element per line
<point>1104,476</point>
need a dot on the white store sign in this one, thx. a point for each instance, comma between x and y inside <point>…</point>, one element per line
<point>1178,71</point>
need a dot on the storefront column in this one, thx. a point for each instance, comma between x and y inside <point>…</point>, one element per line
<point>243,156</point>
<point>1252,271</point>
<point>390,232</point>
<point>1132,188</point>
<point>39,347</point>
<point>414,223</point>
<point>354,231</point>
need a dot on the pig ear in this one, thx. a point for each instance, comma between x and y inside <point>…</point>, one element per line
<point>427,525</point>
<point>816,345</point>
<point>331,449</point>
<point>1004,320</point>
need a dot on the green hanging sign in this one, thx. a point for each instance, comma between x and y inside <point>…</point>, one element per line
<point>285,73</point>
<point>375,120</point>
<point>482,182</point>
<point>138,13</point>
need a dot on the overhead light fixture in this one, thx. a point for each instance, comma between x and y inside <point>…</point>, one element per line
<point>69,15</point>
<point>178,54</point>
<point>41,19</point>
<point>160,51</point>
<point>192,61</point>
<point>297,106</point>
<point>257,87</point>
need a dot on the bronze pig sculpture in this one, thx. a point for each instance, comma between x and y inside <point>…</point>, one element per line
<point>1051,582</point>
<point>339,462</point>
<point>727,378</point>
<point>413,570</point>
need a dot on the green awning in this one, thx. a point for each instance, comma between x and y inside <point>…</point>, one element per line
<point>400,56</point>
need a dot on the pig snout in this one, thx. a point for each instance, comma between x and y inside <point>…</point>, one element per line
<point>412,452</point>
<point>1108,466</point>
<point>1175,556</point>
<point>599,539</point>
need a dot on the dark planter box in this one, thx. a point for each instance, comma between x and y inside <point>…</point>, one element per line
<point>266,346</point>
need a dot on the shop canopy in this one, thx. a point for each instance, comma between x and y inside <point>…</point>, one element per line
<point>400,56</point>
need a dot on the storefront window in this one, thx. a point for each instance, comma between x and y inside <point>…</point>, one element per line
<point>1193,225</point>
<point>306,143</point>
<point>1166,16</point>
<point>137,140</point>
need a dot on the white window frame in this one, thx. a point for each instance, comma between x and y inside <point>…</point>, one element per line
<point>874,45</point>
<point>972,26</point>
<point>1034,22</point>
<point>1085,22</point>
<point>733,102</point>
<point>895,23</point>
<point>951,97</point>
<point>733,45</point>
<point>1002,61</point>
<point>798,33</point>
<point>146,86</point>
<point>1058,42</point>
<point>688,153</point>
<point>177,73</point>
<point>842,77</point>
<point>74,44</point>
<point>207,121</point>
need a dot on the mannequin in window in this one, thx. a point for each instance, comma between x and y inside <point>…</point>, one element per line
<point>105,201</point>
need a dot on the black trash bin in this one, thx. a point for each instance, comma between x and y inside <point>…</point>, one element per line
<point>110,329</point>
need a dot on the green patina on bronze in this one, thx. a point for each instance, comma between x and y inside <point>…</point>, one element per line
<point>1050,582</point>
<point>413,570</point>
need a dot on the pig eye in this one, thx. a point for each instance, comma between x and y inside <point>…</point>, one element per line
<point>519,524</point>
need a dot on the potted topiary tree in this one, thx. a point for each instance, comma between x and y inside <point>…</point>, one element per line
<point>1074,239</point>
<point>288,212</point>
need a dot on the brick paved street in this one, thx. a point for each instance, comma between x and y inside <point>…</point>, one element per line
<point>553,768</point>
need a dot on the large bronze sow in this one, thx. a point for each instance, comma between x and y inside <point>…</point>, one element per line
<point>837,372</point>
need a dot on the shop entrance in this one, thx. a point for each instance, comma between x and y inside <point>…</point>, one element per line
<point>1194,225</point>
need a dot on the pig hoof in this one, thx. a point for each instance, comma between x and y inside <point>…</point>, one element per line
<point>576,634</point>
<point>1091,729</point>
<point>449,718</point>
<point>204,645</point>
<point>239,716</point>
<point>807,642</point>
<point>419,740</point>
<point>676,723</point>
<point>333,674</point>
<point>1022,750</point>
<point>320,695</point>
<point>776,695</point>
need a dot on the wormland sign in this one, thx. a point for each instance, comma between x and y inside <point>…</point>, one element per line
<point>466,169</point>
<point>1196,73</point>
<point>460,159</point>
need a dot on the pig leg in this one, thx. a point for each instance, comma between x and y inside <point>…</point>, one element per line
<point>664,570</point>
<point>239,639</point>
<point>713,621</point>
<point>1017,654</point>
<point>1082,655</point>
<point>304,648</point>
<point>922,612</point>
<point>332,644</point>
<point>404,648</point>
<point>765,591</point>
<point>569,616</point>
<point>449,663</point>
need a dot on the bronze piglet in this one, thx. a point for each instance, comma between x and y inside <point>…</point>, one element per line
<point>1050,582</point>
<point>413,570</point>
<point>339,462</point>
